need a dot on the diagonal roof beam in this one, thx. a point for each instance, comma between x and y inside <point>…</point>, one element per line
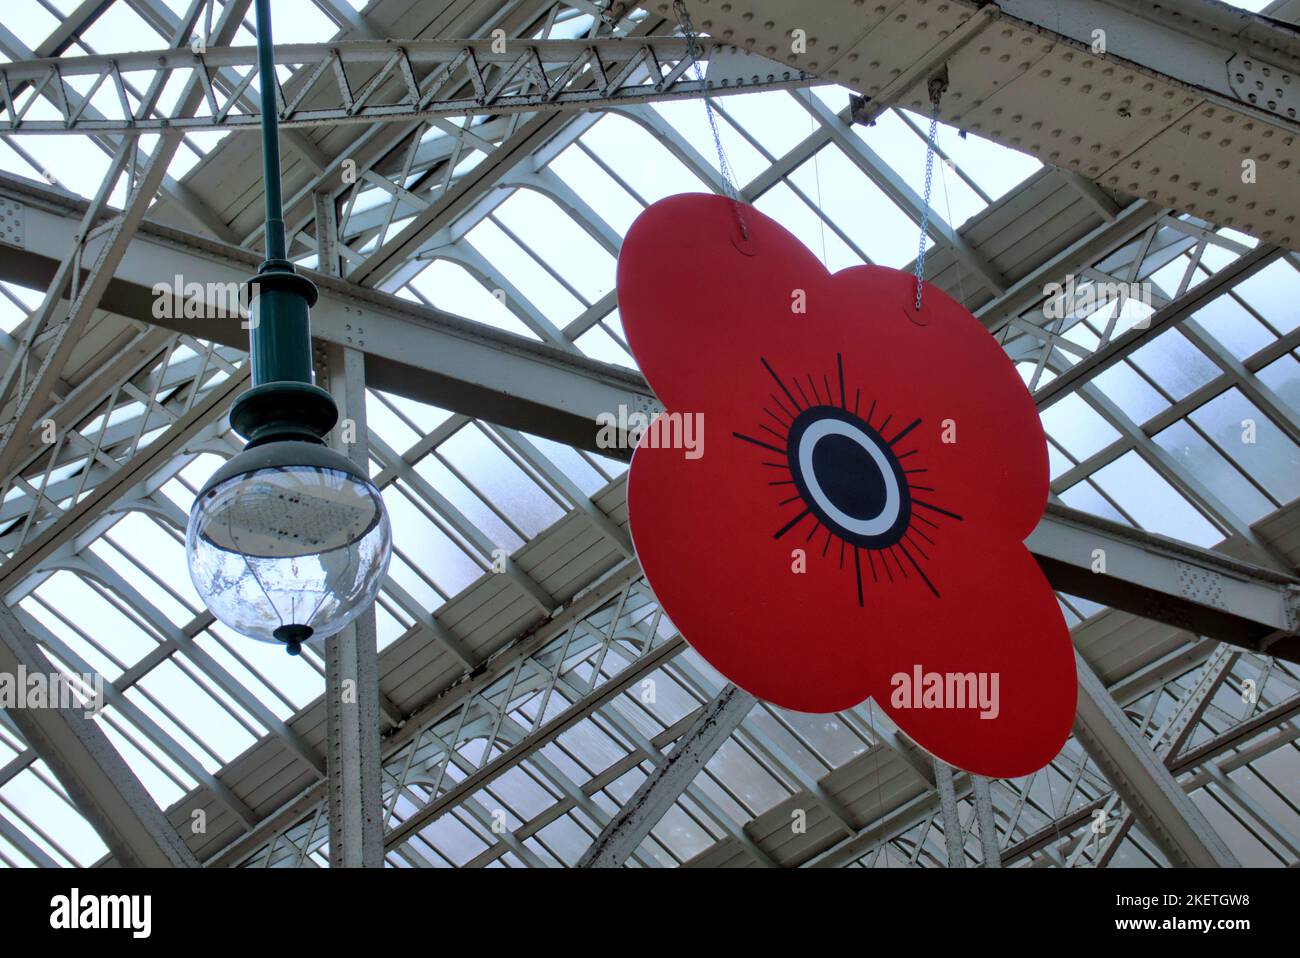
<point>138,469</point>
<point>1148,788</point>
<point>84,291</point>
<point>411,349</point>
<point>516,148</point>
<point>662,787</point>
<point>99,782</point>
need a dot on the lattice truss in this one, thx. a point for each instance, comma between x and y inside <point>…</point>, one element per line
<point>524,701</point>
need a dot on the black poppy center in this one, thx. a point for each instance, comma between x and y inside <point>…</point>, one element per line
<point>849,476</point>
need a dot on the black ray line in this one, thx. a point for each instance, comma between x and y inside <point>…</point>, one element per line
<point>780,405</point>
<point>791,524</point>
<point>816,395</point>
<point>916,545</point>
<point>777,465</point>
<point>857,567</point>
<point>781,482</point>
<point>826,381</point>
<point>786,502</point>
<point>842,553</point>
<point>921,488</point>
<point>885,564</point>
<point>922,535</point>
<point>871,412</point>
<point>920,518</point>
<point>857,397</point>
<point>766,428</point>
<point>779,383</point>
<point>777,419</point>
<point>816,526</point>
<point>802,394</point>
<point>910,471</point>
<point>757,442</point>
<point>926,505</point>
<point>872,562</point>
<point>918,569</point>
<point>904,455</point>
<point>882,426</point>
<point>826,548</point>
<point>839,365</point>
<point>898,561</point>
<point>905,432</point>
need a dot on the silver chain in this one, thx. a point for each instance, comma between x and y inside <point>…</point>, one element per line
<point>693,51</point>
<point>937,86</point>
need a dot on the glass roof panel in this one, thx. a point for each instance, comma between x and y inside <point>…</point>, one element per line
<point>641,160</point>
<point>1153,502</point>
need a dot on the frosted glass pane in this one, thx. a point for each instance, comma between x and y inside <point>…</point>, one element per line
<point>1174,364</point>
<point>1283,377</point>
<point>1263,451</point>
<point>1228,321</point>
<point>1078,427</point>
<point>1086,497</point>
<point>1272,293</point>
<point>1199,458</point>
<point>1127,389</point>
<point>1153,502</point>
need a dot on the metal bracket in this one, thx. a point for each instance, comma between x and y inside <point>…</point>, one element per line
<point>937,85</point>
<point>12,219</point>
<point>860,110</point>
<point>1264,85</point>
<point>731,66</point>
<point>1203,586</point>
<point>646,404</point>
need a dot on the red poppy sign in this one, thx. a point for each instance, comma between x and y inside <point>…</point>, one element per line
<point>849,518</point>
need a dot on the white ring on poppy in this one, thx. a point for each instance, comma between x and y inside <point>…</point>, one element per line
<point>888,514</point>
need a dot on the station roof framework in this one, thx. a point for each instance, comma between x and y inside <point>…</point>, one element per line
<point>470,262</point>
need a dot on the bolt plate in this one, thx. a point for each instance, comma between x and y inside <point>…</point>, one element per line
<point>12,218</point>
<point>1202,586</point>
<point>1265,85</point>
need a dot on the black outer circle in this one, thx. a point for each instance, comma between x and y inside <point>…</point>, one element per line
<point>816,414</point>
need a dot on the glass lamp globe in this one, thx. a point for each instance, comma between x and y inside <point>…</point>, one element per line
<point>288,541</point>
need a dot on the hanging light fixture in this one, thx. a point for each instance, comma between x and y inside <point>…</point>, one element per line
<point>289,540</point>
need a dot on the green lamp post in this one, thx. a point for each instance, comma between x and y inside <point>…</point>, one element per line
<point>288,541</point>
